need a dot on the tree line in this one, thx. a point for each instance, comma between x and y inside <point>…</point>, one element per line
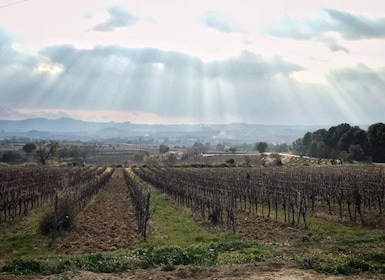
<point>346,142</point>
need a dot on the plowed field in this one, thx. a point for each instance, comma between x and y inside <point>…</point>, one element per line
<point>108,223</point>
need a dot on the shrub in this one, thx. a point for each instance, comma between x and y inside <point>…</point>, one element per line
<point>65,220</point>
<point>20,266</point>
<point>230,161</point>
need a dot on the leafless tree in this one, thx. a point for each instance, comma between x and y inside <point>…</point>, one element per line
<point>46,150</point>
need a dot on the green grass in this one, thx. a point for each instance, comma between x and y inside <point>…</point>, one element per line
<point>171,225</point>
<point>352,236</point>
<point>352,249</point>
<point>20,238</point>
<point>175,238</point>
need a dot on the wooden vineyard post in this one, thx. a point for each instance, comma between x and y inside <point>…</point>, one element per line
<point>230,213</point>
<point>55,221</point>
<point>146,217</point>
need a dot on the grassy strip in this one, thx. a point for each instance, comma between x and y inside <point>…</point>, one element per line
<point>20,237</point>
<point>354,249</point>
<point>173,230</point>
<point>99,263</point>
<point>347,264</point>
<point>167,258</point>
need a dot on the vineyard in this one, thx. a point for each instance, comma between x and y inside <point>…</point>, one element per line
<point>349,193</point>
<point>25,188</point>
<point>277,206</point>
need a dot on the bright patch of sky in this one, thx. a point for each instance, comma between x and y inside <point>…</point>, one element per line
<point>180,61</point>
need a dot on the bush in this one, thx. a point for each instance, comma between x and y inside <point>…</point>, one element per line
<point>65,220</point>
<point>10,156</point>
<point>230,161</point>
<point>20,266</point>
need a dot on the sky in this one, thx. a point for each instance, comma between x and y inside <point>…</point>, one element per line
<point>294,62</point>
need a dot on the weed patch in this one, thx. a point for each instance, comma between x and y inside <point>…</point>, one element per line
<point>20,266</point>
<point>347,265</point>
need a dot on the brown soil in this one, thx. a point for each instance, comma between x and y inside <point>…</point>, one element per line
<point>109,224</point>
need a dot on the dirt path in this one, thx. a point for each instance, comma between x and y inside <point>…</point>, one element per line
<point>108,224</point>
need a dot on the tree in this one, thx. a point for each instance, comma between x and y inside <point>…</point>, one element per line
<point>171,159</point>
<point>332,138</point>
<point>354,136</point>
<point>163,148</point>
<point>376,139</point>
<point>283,148</point>
<point>29,148</point>
<point>207,146</point>
<point>296,146</point>
<point>198,148</point>
<point>46,150</point>
<point>356,153</point>
<point>261,147</point>
<point>307,141</point>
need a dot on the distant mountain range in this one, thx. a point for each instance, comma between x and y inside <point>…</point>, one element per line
<point>71,129</point>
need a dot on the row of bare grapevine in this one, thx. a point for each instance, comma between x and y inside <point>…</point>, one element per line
<point>209,202</point>
<point>141,200</point>
<point>347,192</point>
<point>82,184</point>
<point>25,188</point>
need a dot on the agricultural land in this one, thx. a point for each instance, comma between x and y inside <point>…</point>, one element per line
<point>248,215</point>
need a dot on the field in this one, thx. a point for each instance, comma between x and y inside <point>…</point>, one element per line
<point>293,221</point>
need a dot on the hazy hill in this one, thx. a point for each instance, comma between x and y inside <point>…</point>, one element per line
<point>71,129</point>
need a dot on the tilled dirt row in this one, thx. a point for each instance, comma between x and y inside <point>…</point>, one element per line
<point>107,224</point>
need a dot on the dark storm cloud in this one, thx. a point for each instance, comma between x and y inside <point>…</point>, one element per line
<point>118,17</point>
<point>221,23</point>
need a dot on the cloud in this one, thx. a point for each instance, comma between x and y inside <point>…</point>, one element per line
<point>250,66</point>
<point>356,27</point>
<point>118,17</point>
<point>141,79</point>
<point>6,40</point>
<point>359,90</point>
<point>359,79</point>
<point>349,26</point>
<point>333,45</point>
<point>221,23</point>
<point>248,87</point>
